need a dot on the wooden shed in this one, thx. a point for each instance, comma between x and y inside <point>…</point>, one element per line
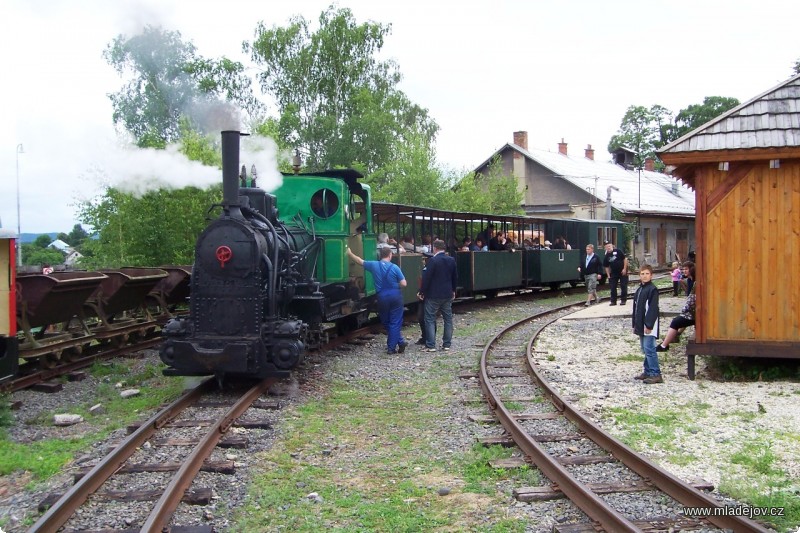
<point>745,169</point>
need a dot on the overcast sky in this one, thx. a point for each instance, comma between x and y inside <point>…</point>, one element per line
<point>566,69</point>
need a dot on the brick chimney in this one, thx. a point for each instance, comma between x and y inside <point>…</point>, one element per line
<point>521,139</point>
<point>650,164</point>
<point>589,152</point>
<point>562,147</point>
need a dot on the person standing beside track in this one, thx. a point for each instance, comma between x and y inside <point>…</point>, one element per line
<point>388,280</point>
<point>645,324</point>
<point>592,271</point>
<point>616,265</point>
<point>439,283</point>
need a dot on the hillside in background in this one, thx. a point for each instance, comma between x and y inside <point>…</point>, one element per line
<point>31,237</point>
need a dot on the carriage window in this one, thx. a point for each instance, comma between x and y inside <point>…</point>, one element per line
<point>324,203</point>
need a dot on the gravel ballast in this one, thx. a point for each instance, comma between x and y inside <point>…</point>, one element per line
<point>592,362</point>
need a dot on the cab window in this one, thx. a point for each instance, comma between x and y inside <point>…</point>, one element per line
<point>324,203</point>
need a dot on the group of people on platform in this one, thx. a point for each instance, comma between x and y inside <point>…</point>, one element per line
<point>439,281</point>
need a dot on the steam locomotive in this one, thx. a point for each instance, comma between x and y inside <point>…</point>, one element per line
<point>261,287</point>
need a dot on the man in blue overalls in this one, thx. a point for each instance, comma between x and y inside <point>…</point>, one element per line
<point>388,280</point>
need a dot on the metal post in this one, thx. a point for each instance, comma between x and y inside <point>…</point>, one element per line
<point>608,200</point>
<point>19,231</point>
<point>640,187</point>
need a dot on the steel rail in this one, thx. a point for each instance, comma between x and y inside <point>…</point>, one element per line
<point>161,514</point>
<point>682,492</point>
<point>65,507</point>
<point>33,378</point>
<point>589,502</point>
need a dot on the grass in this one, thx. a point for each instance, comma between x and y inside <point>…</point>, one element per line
<point>751,475</point>
<point>657,430</point>
<point>46,457</point>
<point>374,470</point>
<point>756,480</point>
<point>629,358</point>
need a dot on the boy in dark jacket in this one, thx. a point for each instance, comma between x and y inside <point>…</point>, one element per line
<point>645,324</point>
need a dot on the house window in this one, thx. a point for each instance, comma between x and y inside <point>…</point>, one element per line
<point>647,240</point>
<point>606,233</point>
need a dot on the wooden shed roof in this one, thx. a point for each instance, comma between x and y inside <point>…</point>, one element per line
<point>763,125</point>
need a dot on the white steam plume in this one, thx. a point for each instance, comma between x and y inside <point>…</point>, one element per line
<point>263,153</point>
<point>140,170</point>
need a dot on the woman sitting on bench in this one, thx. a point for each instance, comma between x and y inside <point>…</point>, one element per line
<point>682,321</point>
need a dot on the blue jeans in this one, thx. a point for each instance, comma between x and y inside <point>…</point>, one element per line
<point>390,311</point>
<point>433,306</point>
<point>648,343</point>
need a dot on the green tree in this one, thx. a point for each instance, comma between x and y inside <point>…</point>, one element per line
<point>640,131</point>
<point>43,241</point>
<point>168,82</point>
<point>38,255</point>
<point>644,130</point>
<point>696,115</point>
<point>412,177</point>
<point>337,102</point>
<point>76,236</point>
<point>494,191</point>
<point>160,228</point>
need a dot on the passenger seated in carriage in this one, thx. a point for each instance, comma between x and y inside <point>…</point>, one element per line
<point>384,241</point>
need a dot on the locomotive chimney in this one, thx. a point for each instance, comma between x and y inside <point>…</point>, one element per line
<point>230,172</point>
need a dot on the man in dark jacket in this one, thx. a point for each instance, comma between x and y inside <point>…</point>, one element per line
<point>616,265</point>
<point>645,324</point>
<point>592,271</point>
<point>439,282</point>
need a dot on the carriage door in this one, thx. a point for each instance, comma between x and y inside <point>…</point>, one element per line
<point>661,238</point>
<point>682,244</point>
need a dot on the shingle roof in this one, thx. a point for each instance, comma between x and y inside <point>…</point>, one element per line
<point>770,120</point>
<point>660,193</point>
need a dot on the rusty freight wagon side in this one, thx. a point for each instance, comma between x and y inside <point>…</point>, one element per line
<point>745,169</point>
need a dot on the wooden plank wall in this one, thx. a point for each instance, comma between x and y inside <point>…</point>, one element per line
<point>750,255</point>
<point>6,304</point>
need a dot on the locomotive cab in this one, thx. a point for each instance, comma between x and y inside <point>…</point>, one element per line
<point>333,206</point>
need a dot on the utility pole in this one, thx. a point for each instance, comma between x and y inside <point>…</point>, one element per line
<point>19,231</point>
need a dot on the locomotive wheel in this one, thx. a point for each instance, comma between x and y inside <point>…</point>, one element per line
<point>120,340</point>
<point>72,354</point>
<point>49,360</point>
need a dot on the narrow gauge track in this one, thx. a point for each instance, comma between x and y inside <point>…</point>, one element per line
<point>161,429</point>
<point>510,355</point>
<point>28,379</point>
